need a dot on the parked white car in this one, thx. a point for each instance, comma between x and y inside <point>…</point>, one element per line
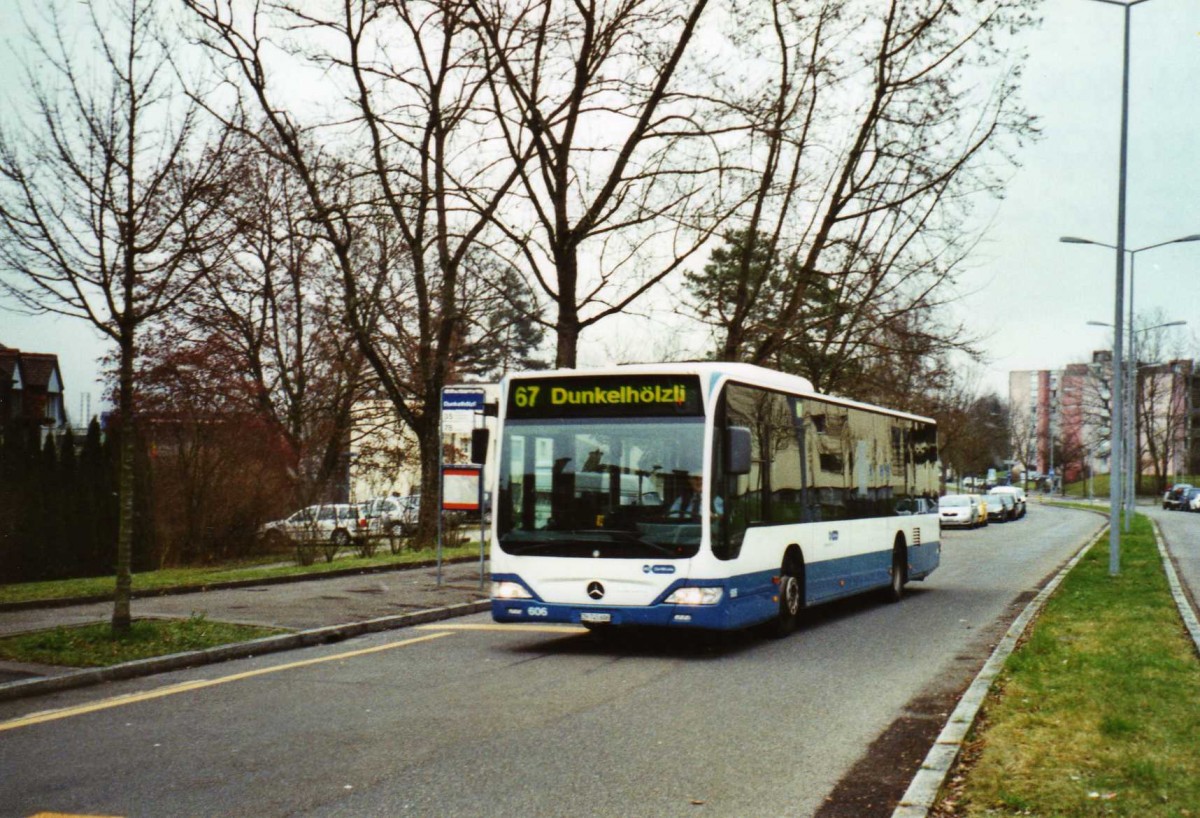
<point>958,510</point>
<point>336,524</point>
<point>392,514</point>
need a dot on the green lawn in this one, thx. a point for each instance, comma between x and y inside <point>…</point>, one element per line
<point>96,646</point>
<point>185,577</point>
<point>1098,711</point>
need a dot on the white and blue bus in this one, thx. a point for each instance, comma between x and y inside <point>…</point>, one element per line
<point>707,495</point>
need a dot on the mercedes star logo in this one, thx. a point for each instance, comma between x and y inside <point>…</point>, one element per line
<point>595,590</point>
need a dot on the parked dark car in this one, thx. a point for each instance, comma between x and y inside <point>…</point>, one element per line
<point>1001,507</point>
<point>1174,499</point>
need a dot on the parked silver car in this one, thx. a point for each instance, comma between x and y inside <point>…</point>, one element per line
<point>334,523</point>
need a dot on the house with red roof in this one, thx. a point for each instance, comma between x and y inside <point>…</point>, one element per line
<point>31,388</point>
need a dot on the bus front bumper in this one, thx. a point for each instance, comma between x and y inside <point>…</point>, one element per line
<point>715,617</point>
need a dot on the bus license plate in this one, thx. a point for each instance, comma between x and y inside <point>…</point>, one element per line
<point>595,617</point>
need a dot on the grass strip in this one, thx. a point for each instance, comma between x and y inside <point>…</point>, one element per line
<point>187,577</point>
<point>96,646</point>
<point>1098,711</point>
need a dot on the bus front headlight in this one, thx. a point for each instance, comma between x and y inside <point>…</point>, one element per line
<point>509,590</point>
<point>695,596</point>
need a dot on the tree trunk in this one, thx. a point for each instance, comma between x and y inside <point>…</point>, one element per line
<point>121,618</point>
<point>567,328</point>
<point>429,439</point>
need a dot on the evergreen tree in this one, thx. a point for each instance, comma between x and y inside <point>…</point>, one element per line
<point>96,554</point>
<point>735,289</point>
<point>12,475</point>
<point>44,509</point>
<point>69,496</point>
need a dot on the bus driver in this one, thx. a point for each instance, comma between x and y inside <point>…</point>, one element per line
<point>687,504</point>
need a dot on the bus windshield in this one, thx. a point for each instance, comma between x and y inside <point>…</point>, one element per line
<point>622,488</point>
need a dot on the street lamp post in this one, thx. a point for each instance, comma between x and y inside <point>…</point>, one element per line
<point>1114,537</point>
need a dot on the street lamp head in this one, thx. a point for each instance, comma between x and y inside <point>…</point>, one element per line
<point>1098,324</point>
<point>1193,237</point>
<point>1076,240</point>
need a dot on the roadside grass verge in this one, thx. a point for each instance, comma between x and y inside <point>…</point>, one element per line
<point>96,646</point>
<point>1147,487</point>
<point>168,578</point>
<point>1098,711</point>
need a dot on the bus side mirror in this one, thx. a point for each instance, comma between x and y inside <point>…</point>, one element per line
<point>737,450</point>
<point>479,446</point>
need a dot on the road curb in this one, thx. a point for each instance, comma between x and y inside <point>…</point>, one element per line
<point>237,650</point>
<point>927,784</point>
<point>1181,600</point>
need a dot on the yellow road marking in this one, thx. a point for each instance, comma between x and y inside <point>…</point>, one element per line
<point>513,627</point>
<point>133,698</point>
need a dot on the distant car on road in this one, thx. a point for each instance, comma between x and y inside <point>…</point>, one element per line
<point>1191,500</point>
<point>1174,498</point>
<point>958,510</point>
<point>1018,495</point>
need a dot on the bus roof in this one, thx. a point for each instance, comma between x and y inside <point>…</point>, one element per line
<point>712,371</point>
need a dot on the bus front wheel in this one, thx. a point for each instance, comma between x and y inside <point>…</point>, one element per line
<point>791,600</point>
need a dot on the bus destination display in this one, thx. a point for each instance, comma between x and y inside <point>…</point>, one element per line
<point>606,396</point>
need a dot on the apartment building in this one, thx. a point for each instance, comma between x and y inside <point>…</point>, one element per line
<point>1061,418</point>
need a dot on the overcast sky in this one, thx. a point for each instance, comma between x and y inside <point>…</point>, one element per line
<point>1030,295</point>
<point>1034,294</point>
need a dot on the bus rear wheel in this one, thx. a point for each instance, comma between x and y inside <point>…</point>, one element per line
<point>895,590</point>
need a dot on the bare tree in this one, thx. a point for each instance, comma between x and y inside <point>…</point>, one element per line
<point>403,220</point>
<point>974,428</point>
<point>617,187</point>
<point>867,139</point>
<point>1161,408</point>
<point>271,303</point>
<point>109,194</point>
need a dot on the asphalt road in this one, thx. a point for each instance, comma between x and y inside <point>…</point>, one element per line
<point>468,718</point>
<point>1182,533</point>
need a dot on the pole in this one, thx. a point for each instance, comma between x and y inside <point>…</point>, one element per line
<point>441,483</point>
<point>1132,460</point>
<point>481,530</point>
<point>1114,491</point>
<point>1053,476</point>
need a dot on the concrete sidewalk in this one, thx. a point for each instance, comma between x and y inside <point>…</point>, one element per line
<point>318,610</point>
